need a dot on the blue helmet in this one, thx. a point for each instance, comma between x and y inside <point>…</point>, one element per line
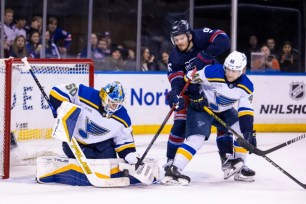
<point>112,96</point>
<point>178,28</point>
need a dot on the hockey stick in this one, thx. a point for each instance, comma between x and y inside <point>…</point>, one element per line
<point>245,144</point>
<point>26,63</point>
<point>163,123</point>
<point>75,148</point>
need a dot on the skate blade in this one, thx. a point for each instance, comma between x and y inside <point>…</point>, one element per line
<point>244,178</point>
<point>230,172</point>
<point>167,180</point>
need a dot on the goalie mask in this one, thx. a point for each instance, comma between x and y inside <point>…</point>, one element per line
<point>112,96</point>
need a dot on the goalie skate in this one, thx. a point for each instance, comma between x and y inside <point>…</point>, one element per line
<point>174,177</point>
<point>230,166</point>
<point>245,174</point>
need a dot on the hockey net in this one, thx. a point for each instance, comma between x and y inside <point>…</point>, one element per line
<point>26,120</point>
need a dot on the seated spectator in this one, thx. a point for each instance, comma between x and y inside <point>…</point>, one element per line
<point>130,62</point>
<point>8,27</point>
<point>36,26</point>
<point>102,44</point>
<point>51,48</point>
<point>113,62</point>
<point>147,60</point>
<point>271,63</point>
<point>57,35</point>
<point>163,62</point>
<point>96,53</point>
<point>33,46</point>
<point>253,47</point>
<point>18,49</point>
<point>19,27</point>
<point>272,46</point>
<point>288,58</point>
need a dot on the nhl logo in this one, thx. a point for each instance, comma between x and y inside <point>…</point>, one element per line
<point>297,90</point>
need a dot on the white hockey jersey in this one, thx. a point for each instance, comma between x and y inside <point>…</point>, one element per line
<point>91,126</point>
<point>222,96</point>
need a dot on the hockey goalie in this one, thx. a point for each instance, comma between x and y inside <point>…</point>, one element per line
<point>94,127</point>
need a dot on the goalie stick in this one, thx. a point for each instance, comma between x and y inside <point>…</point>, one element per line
<point>245,144</point>
<point>164,122</point>
<point>77,151</point>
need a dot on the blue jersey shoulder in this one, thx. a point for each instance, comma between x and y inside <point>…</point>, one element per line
<point>246,84</point>
<point>122,116</point>
<point>90,96</point>
<point>215,71</point>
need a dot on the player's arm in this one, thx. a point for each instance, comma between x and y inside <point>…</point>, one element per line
<point>65,92</point>
<point>218,41</point>
<point>176,78</point>
<point>246,118</point>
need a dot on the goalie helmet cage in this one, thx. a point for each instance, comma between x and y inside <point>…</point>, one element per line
<point>24,114</point>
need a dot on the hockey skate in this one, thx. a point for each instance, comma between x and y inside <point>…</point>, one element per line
<point>245,174</point>
<point>230,166</point>
<point>174,177</point>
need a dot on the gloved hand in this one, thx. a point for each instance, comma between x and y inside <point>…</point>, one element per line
<point>198,102</point>
<point>132,158</point>
<point>175,100</point>
<point>197,77</point>
<point>251,137</point>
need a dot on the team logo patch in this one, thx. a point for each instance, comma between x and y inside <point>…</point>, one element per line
<point>297,90</point>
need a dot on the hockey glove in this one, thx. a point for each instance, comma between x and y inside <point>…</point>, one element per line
<point>251,137</point>
<point>198,103</point>
<point>176,101</point>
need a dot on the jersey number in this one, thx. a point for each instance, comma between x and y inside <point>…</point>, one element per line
<point>72,88</point>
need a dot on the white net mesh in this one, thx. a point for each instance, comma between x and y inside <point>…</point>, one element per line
<point>31,118</point>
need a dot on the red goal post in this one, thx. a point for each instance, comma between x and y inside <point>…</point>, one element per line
<point>24,113</point>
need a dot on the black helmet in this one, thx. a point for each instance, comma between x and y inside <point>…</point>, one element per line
<point>178,28</point>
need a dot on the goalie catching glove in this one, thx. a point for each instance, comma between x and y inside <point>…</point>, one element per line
<point>145,173</point>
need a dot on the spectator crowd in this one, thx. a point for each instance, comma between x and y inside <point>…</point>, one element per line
<point>23,39</point>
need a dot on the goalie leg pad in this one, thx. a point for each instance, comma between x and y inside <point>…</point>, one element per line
<point>67,171</point>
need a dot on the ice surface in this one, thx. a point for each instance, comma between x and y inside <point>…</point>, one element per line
<point>207,184</point>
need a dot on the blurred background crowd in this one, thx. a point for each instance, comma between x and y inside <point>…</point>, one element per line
<point>134,35</point>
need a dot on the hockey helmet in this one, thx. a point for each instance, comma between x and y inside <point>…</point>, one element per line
<point>178,28</point>
<point>235,61</point>
<point>112,96</point>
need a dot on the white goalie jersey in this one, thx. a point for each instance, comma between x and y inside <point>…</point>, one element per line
<point>91,126</point>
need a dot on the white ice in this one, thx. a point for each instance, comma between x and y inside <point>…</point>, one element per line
<point>207,184</point>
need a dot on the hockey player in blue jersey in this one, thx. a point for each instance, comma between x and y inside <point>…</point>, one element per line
<point>193,48</point>
<point>103,129</point>
<point>224,87</point>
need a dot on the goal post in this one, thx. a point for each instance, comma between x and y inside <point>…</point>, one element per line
<point>24,114</point>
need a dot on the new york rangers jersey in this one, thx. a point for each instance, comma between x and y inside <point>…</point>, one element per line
<point>91,126</point>
<point>214,42</point>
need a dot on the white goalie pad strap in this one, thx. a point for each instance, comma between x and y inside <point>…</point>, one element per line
<point>145,173</point>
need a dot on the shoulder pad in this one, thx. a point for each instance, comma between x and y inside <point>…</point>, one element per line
<point>89,96</point>
<point>246,84</point>
<point>122,116</point>
<point>214,73</point>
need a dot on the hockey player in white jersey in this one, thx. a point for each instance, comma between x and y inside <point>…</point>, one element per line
<point>103,129</point>
<point>224,86</point>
